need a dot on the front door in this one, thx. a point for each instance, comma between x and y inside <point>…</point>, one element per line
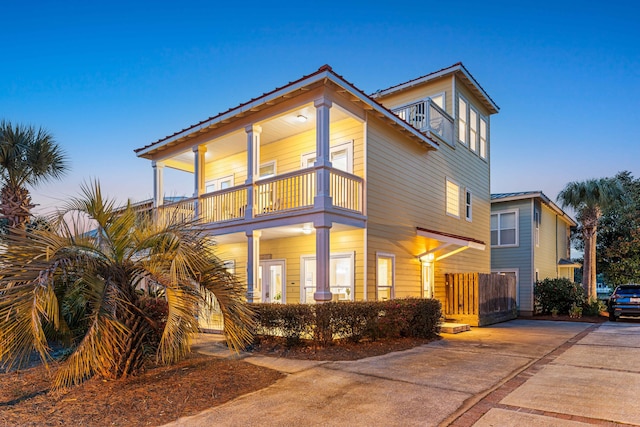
<point>271,276</point>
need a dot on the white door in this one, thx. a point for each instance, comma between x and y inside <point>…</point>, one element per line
<point>271,277</point>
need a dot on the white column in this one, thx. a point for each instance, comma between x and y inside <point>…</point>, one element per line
<point>253,162</point>
<point>158,183</point>
<point>323,159</point>
<point>198,175</point>
<point>253,261</point>
<point>323,260</point>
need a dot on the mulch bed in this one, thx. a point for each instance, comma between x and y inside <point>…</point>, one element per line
<point>603,317</point>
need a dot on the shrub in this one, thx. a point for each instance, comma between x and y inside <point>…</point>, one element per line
<point>593,307</point>
<point>558,294</point>
<point>354,321</point>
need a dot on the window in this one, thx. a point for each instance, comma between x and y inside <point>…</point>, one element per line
<point>462,120</point>
<point>473,130</point>
<point>483,137</point>
<point>385,275</point>
<point>267,170</point>
<point>219,184</point>
<point>504,228</point>
<point>438,99</point>
<point>341,157</point>
<point>536,229</point>
<point>341,277</point>
<point>453,199</point>
<point>468,199</point>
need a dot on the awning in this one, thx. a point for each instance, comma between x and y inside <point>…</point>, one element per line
<point>567,263</point>
<point>449,244</point>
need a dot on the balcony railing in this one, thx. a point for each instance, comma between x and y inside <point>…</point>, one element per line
<point>427,116</point>
<point>280,194</point>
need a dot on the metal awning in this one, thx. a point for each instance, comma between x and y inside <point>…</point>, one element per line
<point>449,244</point>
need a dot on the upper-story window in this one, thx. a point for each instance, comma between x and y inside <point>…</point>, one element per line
<point>536,225</point>
<point>219,184</point>
<point>341,157</point>
<point>462,120</point>
<point>504,228</point>
<point>483,137</point>
<point>472,128</point>
<point>468,205</point>
<point>438,99</point>
<point>453,199</point>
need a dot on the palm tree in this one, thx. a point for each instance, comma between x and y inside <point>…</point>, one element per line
<point>588,199</point>
<point>28,157</point>
<point>124,293</point>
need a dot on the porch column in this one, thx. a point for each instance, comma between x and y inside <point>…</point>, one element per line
<point>198,174</point>
<point>253,162</point>
<point>323,260</point>
<point>158,183</point>
<point>323,160</point>
<point>253,261</point>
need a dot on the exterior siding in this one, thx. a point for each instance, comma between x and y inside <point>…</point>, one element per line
<point>520,257</point>
<point>405,190</point>
<point>546,255</point>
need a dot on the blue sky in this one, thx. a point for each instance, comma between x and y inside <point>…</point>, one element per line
<point>108,77</point>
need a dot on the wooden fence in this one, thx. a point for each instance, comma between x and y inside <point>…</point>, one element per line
<point>480,299</point>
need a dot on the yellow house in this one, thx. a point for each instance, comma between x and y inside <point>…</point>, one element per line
<point>316,191</point>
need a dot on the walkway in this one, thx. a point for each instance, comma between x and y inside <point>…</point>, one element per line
<point>517,373</point>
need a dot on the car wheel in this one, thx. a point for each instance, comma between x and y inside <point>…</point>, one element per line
<point>612,317</point>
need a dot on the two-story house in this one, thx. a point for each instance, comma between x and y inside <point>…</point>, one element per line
<point>316,191</point>
<point>530,239</point>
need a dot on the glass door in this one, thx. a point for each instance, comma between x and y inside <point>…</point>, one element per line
<point>271,276</point>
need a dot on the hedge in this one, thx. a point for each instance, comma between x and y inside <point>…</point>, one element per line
<point>322,323</point>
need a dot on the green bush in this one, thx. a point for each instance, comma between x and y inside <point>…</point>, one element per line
<point>593,307</point>
<point>558,295</point>
<point>354,321</point>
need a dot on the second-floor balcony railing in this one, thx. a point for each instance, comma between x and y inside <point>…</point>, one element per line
<point>277,195</point>
<point>427,116</point>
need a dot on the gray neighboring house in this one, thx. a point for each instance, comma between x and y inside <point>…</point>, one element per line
<point>530,240</point>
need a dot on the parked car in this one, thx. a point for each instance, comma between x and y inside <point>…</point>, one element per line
<point>624,301</point>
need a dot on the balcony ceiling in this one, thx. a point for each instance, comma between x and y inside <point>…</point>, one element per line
<point>273,129</point>
<point>294,230</point>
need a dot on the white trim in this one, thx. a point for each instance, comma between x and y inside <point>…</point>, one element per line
<point>468,214</point>
<point>348,146</point>
<point>517,232</point>
<point>266,262</point>
<point>466,121</point>
<point>333,255</point>
<point>216,183</point>
<point>392,287</point>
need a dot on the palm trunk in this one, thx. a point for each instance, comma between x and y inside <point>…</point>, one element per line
<point>15,206</point>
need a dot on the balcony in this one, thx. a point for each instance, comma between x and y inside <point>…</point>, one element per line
<point>278,195</point>
<point>428,117</point>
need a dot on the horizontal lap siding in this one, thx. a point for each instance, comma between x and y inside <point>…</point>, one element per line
<point>405,190</point>
<point>518,257</point>
<point>545,255</point>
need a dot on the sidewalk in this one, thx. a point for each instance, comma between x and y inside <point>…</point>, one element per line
<point>517,373</point>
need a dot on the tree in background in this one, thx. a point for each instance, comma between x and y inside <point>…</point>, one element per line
<point>28,157</point>
<point>118,288</point>
<point>588,199</point>
<point>618,246</point>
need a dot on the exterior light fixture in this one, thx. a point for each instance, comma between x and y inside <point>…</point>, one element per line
<point>301,118</point>
<point>307,228</point>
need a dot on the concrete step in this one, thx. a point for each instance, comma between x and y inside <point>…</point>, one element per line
<point>453,328</point>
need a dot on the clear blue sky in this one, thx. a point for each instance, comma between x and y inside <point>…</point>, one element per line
<point>108,77</point>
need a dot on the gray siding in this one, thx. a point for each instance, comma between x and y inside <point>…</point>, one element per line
<point>519,257</point>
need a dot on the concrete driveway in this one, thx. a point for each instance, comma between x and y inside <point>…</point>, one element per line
<point>517,373</point>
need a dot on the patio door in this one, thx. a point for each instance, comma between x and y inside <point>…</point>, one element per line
<point>271,278</point>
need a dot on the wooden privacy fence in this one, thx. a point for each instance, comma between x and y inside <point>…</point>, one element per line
<point>480,299</point>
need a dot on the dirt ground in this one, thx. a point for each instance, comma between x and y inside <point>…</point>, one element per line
<point>162,394</point>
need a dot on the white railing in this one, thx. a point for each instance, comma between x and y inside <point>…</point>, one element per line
<point>427,116</point>
<point>345,190</point>
<point>225,205</point>
<point>285,192</point>
<point>181,211</point>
